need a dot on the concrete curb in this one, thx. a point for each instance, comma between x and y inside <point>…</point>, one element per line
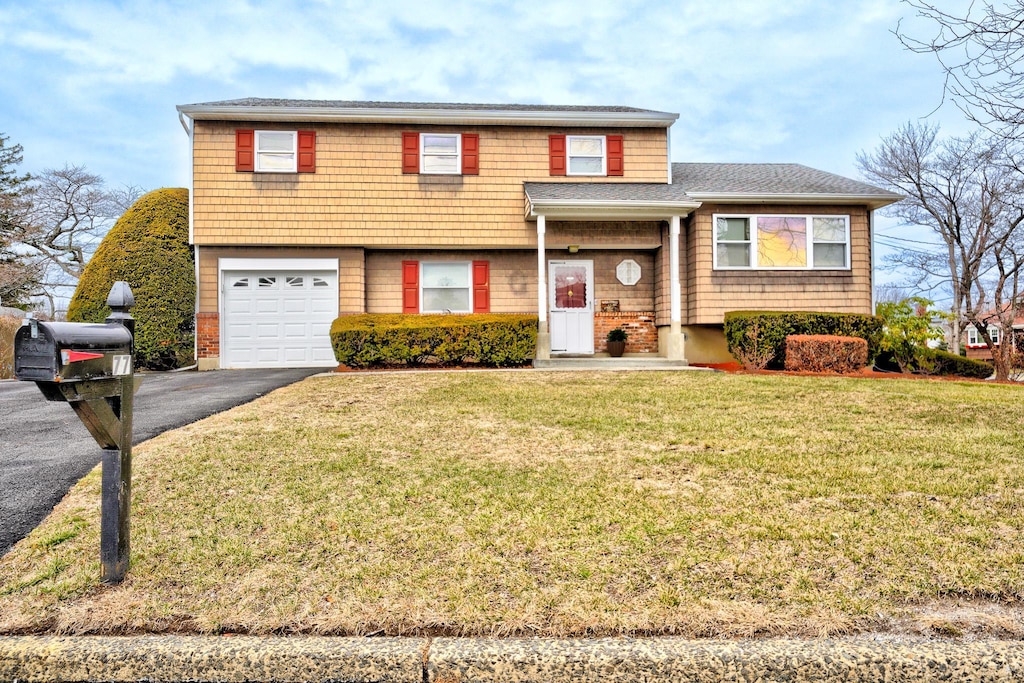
<point>28,659</point>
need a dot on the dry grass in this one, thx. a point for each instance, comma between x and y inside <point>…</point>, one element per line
<point>8,326</point>
<point>558,504</point>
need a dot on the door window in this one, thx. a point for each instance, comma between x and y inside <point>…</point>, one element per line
<point>570,286</point>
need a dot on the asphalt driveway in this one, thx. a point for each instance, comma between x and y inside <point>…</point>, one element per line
<point>44,449</point>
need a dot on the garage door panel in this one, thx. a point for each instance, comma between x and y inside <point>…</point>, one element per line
<point>296,305</point>
<point>296,330</point>
<point>268,332</point>
<point>323,306</point>
<point>279,319</point>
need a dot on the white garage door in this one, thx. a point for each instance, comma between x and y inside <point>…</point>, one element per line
<point>278,319</point>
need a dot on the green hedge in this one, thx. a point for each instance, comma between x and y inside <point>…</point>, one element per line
<point>496,340</point>
<point>940,363</point>
<point>758,338</point>
<point>147,248</point>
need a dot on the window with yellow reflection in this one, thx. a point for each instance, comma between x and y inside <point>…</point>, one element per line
<point>782,242</point>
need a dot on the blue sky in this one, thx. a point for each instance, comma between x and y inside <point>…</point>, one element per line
<point>95,82</point>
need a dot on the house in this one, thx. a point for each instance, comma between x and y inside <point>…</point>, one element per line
<point>978,349</point>
<point>305,210</point>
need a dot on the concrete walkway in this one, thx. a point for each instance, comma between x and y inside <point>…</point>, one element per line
<point>467,660</point>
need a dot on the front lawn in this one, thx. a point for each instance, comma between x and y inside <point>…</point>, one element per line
<point>558,504</point>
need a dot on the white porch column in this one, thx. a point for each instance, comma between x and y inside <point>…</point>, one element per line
<point>543,335</point>
<point>675,335</point>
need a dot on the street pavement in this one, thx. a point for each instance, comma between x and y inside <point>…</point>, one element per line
<point>45,449</point>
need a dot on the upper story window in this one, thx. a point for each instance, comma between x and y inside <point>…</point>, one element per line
<point>782,242</point>
<point>275,151</point>
<point>585,155</point>
<point>441,153</point>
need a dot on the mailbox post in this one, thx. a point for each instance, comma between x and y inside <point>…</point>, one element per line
<point>90,366</point>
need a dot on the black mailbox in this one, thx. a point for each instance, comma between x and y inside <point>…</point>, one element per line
<point>71,352</point>
<point>90,367</point>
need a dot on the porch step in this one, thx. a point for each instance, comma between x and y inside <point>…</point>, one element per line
<point>609,363</point>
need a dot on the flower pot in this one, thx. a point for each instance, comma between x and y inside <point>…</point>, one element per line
<point>616,348</point>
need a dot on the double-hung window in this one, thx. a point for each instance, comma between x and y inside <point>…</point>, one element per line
<point>445,287</point>
<point>440,153</point>
<point>275,151</point>
<point>586,154</point>
<point>782,242</point>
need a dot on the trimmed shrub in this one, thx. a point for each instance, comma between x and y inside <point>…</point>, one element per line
<point>941,363</point>
<point>496,340</point>
<point>825,353</point>
<point>147,248</point>
<point>758,338</point>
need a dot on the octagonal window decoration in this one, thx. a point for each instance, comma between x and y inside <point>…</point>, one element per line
<point>628,272</point>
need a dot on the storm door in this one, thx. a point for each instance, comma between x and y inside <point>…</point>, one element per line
<point>571,301</point>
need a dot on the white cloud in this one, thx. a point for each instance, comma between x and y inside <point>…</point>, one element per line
<point>797,81</point>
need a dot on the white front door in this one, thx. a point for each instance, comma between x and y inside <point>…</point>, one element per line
<point>571,305</point>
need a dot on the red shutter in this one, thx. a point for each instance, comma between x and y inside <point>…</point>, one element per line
<point>410,286</point>
<point>307,151</point>
<point>481,287</point>
<point>470,154</point>
<point>615,155</point>
<point>556,154</point>
<point>410,152</point>
<point>245,150</point>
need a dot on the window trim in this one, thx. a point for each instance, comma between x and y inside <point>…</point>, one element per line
<point>569,156</point>
<point>468,287</point>
<point>294,152</point>
<point>752,243</point>
<point>424,153</point>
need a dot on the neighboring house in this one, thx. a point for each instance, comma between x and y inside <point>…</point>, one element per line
<point>976,346</point>
<point>306,210</point>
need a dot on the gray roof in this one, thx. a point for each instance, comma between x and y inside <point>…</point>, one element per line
<point>440,113</point>
<point>607,192</point>
<point>424,106</point>
<point>769,179</point>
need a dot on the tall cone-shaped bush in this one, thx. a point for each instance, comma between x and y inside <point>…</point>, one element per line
<point>147,248</point>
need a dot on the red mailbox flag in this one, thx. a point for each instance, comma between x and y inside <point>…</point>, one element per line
<point>69,356</point>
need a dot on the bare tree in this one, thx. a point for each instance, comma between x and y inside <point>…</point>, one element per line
<point>969,194</point>
<point>61,218</point>
<point>981,51</point>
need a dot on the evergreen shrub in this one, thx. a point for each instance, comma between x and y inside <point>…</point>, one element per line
<point>147,248</point>
<point>758,338</point>
<point>488,339</point>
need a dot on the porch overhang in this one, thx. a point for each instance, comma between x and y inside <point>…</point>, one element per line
<point>607,201</point>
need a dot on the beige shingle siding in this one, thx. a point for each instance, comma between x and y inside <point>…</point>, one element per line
<point>360,197</point>
<point>712,293</point>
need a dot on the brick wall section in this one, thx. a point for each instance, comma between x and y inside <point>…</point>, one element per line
<point>208,335</point>
<point>710,293</point>
<point>643,335</point>
<point>360,197</point>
